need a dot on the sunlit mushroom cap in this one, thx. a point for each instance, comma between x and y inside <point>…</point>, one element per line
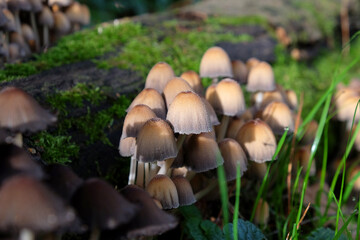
<point>252,62</point>
<point>194,80</point>
<point>233,155</point>
<point>151,98</point>
<point>27,203</point>
<point>73,12</point>
<point>240,71</point>
<point>279,117</point>
<point>185,192</point>
<point>162,188</point>
<point>258,141</point>
<point>159,75</point>
<point>173,88</point>
<point>215,63</point>
<point>127,146</point>
<point>85,15</point>
<point>347,109</point>
<point>62,24</point>
<point>201,153</point>
<point>150,220</point>
<point>267,97</point>
<point>155,141</point>
<point>188,115</point>
<point>212,115</point>
<point>99,205</point>
<point>46,18</point>
<point>291,99</point>
<point>236,123</point>
<point>20,112</point>
<point>261,78</point>
<point>228,99</point>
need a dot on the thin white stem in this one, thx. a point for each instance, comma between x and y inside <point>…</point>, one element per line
<point>26,234</point>
<point>132,172</point>
<point>147,173</point>
<point>18,140</point>
<point>36,32</point>
<point>223,127</point>
<point>140,174</point>
<point>215,80</point>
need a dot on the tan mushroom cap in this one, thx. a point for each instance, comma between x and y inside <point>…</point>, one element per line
<point>291,99</point>
<point>258,140</point>
<point>233,155</point>
<point>201,153</point>
<point>85,15</point>
<point>46,18</point>
<point>127,146</point>
<point>20,112</point>
<point>261,78</point>
<point>267,97</point>
<point>173,88</point>
<point>279,117</point>
<point>73,12</point>
<point>347,109</point>
<point>234,126</point>
<point>159,75</point>
<point>252,62</point>
<point>262,212</point>
<point>62,24</point>
<point>151,98</point>
<point>240,71</point>
<point>188,115</point>
<point>301,159</point>
<point>184,190</point>
<point>215,63</point>
<point>194,80</point>
<point>229,98</point>
<point>162,188</point>
<point>212,115</point>
<point>155,141</point>
<point>10,24</point>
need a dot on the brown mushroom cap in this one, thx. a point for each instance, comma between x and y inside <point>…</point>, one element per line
<point>173,88</point>
<point>85,15</point>
<point>100,206</point>
<point>261,78</point>
<point>73,13</point>
<point>127,146</point>
<point>61,3</point>
<point>184,190</point>
<point>155,141</point>
<point>20,112</point>
<point>262,212</point>
<point>291,99</point>
<point>215,63</point>
<point>258,141</point>
<point>46,18</point>
<point>279,117</point>
<point>188,115</point>
<point>212,115</point>
<point>159,75</point>
<point>162,188</point>
<point>27,203</point>
<point>62,24</point>
<point>10,24</point>
<point>252,62</point>
<point>347,109</point>
<point>240,71</point>
<point>194,80</point>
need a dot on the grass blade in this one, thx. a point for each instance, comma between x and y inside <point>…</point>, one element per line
<point>237,202</point>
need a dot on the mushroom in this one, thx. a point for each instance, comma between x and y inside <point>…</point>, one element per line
<point>194,80</point>
<point>62,24</point>
<point>262,213</point>
<point>46,19</point>
<point>279,117</point>
<point>184,190</point>
<point>36,7</point>
<point>163,189</point>
<point>240,71</point>
<point>173,88</point>
<point>16,6</point>
<point>73,13</point>
<point>159,75</point>
<point>29,36</point>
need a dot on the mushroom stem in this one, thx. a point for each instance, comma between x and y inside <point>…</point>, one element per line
<point>202,193</point>
<point>36,32</point>
<point>140,175</point>
<point>18,22</point>
<point>147,173</point>
<point>153,170</point>
<point>223,127</point>
<point>95,234</point>
<point>215,80</point>
<point>258,99</point>
<point>18,140</point>
<point>26,234</point>
<point>46,37</point>
<point>132,172</point>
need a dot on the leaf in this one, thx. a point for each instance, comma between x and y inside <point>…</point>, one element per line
<point>211,230</point>
<point>323,234</point>
<point>246,231</point>
<point>192,226</point>
<point>190,212</point>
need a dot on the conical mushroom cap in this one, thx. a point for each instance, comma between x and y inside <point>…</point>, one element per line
<point>236,123</point>
<point>252,62</point>
<point>73,12</point>
<point>85,15</point>
<point>262,212</point>
<point>240,71</point>
<point>100,206</point>
<point>62,24</point>
<point>127,146</point>
<point>155,141</point>
<point>188,115</point>
<point>159,75</point>
<point>27,203</point>
<point>232,154</point>
<point>185,192</point>
<point>194,80</point>
<point>46,18</point>
<point>347,109</point>
<point>201,153</point>
<point>267,98</point>
<point>135,119</point>
<point>261,78</point>
<point>258,141</point>
<point>278,116</point>
<point>151,98</point>
<point>173,88</point>
<point>229,99</point>
<point>215,63</point>
<point>212,115</point>
<point>163,189</point>
<point>10,25</point>
<point>291,99</point>
<point>150,220</point>
<point>20,112</point>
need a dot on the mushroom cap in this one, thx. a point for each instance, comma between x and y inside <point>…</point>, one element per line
<point>184,190</point>
<point>233,155</point>
<point>27,203</point>
<point>279,117</point>
<point>267,97</point>
<point>61,3</point>
<point>215,63</point>
<point>3,19</point>
<point>173,88</point>
<point>27,32</point>
<point>16,5</point>
<point>252,62</point>
<point>73,12</point>
<point>150,220</point>
<point>155,141</point>
<point>291,99</point>
<point>301,158</point>
<point>162,188</point>
<point>210,110</point>
<point>151,98</point>
<point>201,153</point>
<point>310,133</point>
<point>261,78</point>
<point>100,206</point>
<point>159,75</point>
<point>36,5</point>
<point>127,146</point>
<point>347,109</point>
<point>10,24</point>
<point>262,212</point>
<point>19,112</point>
<point>236,123</point>
<point>228,99</point>
<point>258,141</point>
<point>85,15</point>
<point>187,113</point>
<point>194,80</point>
<point>46,17</point>
<point>62,24</point>
<point>240,71</point>
<point>135,120</point>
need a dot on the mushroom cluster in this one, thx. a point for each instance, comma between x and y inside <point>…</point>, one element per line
<point>26,25</point>
<point>38,201</point>
<point>172,130</point>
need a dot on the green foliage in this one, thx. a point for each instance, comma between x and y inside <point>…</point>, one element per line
<point>245,230</point>
<point>323,234</point>
<point>55,148</point>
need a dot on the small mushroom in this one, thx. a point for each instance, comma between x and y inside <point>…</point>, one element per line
<point>159,75</point>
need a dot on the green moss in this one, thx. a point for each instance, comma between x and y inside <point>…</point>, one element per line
<point>83,45</point>
<point>240,20</point>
